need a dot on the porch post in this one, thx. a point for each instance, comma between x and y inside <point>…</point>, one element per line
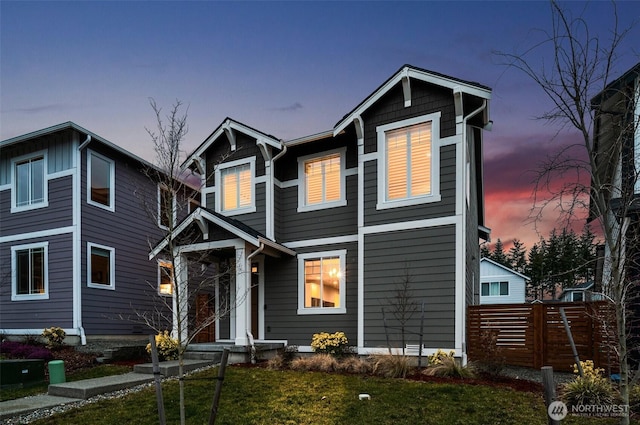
<point>181,298</point>
<point>242,301</point>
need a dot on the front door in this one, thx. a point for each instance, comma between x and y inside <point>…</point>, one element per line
<point>205,310</point>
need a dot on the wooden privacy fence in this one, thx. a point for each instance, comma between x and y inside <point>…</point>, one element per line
<point>533,335</point>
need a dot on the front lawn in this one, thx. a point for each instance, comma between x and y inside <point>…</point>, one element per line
<point>261,396</point>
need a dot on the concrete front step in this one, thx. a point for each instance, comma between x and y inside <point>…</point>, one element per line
<point>90,387</point>
<point>170,368</point>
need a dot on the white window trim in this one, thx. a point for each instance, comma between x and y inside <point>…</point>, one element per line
<point>434,196</point>
<point>302,205</point>
<point>112,267</point>
<point>112,183</point>
<point>14,270</point>
<point>159,211</point>
<point>163,263</point>
<point>14,189</point>
<point>498,282</point>
<point>302,310</point>
<point>218,192</point>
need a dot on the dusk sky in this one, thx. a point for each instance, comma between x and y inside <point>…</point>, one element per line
<point>289,69</point>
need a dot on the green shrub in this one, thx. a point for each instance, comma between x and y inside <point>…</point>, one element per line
<point>54,336</point>
<point>335,344</point>
<point>591,389</point>
<point>391,366</point>
<point>448,366</point>
<point>168,348</point>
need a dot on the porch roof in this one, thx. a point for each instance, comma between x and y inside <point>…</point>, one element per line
<point>203,216</point>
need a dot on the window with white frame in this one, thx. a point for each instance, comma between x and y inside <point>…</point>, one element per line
<point>323,181</point>
<point>494,289</point>
<point>321,282</point>
<point>166,207</point>
<point>165,277</point>
<point>236,191</point>
<point>101,182</point>
<point>100,266</point>
<point>29,183</point>
<point>30,279</point>
<point>408,161</point>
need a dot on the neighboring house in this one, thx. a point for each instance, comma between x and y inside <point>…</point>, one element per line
<point>323,229</point>
<point>74,236</point>
<point>501,285</point>
<point>582,292</point>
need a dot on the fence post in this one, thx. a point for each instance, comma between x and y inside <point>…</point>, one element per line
<point>539,329</point>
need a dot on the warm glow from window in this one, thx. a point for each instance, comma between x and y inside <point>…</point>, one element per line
<point>322,179</point>
<point>236,187</point>
<point>408,156</point>
<point>165,287</point>
<point>322,278</point>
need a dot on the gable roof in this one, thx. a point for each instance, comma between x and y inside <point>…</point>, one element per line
<point>611,88</point>
<point>239,229</point>
<point>405,73</point>
<point>502,266</point>
<point>229,125</point>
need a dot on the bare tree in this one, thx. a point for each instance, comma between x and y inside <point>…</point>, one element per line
<point>183,275</point>
<point>403,304</point>
<point>581,66</point>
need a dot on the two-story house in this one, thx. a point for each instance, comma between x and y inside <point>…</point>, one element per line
<point>324,229</point>
<point>74,236</point>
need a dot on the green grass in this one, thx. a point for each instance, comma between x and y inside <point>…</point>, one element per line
<point>259,396</point>
<point>40,388</point>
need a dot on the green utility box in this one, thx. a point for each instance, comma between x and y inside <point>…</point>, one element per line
<point>21,372</point>
<point>56,372</point>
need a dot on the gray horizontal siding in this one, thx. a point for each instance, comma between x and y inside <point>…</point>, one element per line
<point>38,314</point>
<point>59,212</point>
<point>445,207</point>
<point>281,301</point>
<point>427,256</point>
<point>330,222</point>
<point>129,230</point>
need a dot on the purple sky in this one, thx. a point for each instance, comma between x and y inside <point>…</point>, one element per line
<point>289,69</point>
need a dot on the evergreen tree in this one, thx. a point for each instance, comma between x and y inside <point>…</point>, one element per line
<point>498,254</point>
<point>517,256</point>
<point>535,271</point>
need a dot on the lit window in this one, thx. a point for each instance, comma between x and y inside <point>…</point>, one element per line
<point>30,280</point>
<point>494,289</point>
<point>101,181</point>
<point>408,160</point>
<point>322,179</point>
<point>29,184</point>
<point>165,278</point>
<point>166,208</point>
<point>322,280</point>
<point>408,156</point>
<point>236,187</point>
<point>101,265</point>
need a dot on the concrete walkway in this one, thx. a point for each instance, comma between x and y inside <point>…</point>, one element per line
<point>69,392</point>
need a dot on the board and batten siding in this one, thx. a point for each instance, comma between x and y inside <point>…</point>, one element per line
<point>129,230</point>
<point>427,257</point>
<point>282,321</point>
<point>39,314</point>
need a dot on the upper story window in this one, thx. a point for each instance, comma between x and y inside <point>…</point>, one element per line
<point>408,162</point>
<point>29,183</point>
<point>101,266</point>
<point>29,272</point>
<point>101,185</point>
<point>167,208</point>
<point>322,282</point>
<point>165,278</point>
<point>494,289</point>
<point>236,193</point>
<point>323,185</point>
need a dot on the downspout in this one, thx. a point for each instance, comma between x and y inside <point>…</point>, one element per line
<point>464,248</point>
<point>248,331</point>
<point>272,188</point>
<point>77,291</point>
